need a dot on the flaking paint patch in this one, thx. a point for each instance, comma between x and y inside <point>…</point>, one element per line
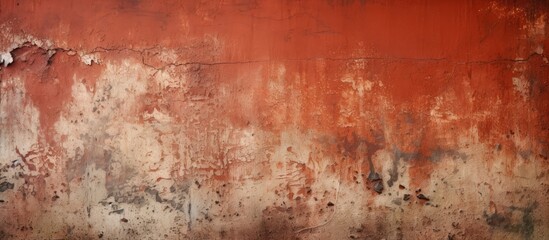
<point>6,58</point>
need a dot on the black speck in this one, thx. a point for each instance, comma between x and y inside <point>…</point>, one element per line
<point>374,176</point>
<point>118,211</point>
<point>423,197</point>
<point>5,186</point>
<point>378,187</point>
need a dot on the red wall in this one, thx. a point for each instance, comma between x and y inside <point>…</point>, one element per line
<point>243,119</point>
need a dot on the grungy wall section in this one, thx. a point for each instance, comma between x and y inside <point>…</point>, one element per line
<point>274,119</point>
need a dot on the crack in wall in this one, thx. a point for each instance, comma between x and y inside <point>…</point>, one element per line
<point>6,58</point>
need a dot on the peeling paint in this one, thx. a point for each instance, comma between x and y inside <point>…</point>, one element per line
<point>6,59</point>
<point>274,120</point>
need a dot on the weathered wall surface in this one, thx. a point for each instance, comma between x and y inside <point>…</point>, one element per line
<point>243,119</point>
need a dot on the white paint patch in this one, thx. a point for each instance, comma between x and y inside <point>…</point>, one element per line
<point>522,86</point>
<point>168,56</point>
<point>439,114</point>
<point>169,79</point>
<point>92,114</point>
<point>88,59</point>
<point>157,116</point>
<point>19,121</point>
<point>6,58</point>
<point>358,84</point>
<point>353,101</point>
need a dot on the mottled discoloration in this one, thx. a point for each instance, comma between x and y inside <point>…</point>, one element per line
<point>274,120</point>
<point>4,186</point>
<point>505,221</point>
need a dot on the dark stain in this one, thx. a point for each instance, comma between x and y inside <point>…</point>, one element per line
<point>525,154</point>
<point>373,176</point>
<point>345,2</point>
<point>291,220</point>
<point>397,156</point>
<point>378,187</point>
<point>189,223</point>
<point>351,146</point>
<point>364,147</point>
<point>133,195</point>
<point>436,155</point>
<point>397,201</point>
<point>4,186</point>
<point>374,228</point>
<point>55,197</point>
<point>155,194</point>
<point>276,227</point>
<point>423,197</point>
<point>407,197</point>
<point>439,153</point>
<point>356,232</point>
<point>181,195</point>
<point>119,211</point>
<point>504,221</point>
<point>129,197</point>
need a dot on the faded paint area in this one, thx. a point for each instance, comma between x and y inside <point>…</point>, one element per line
<point>243,119</point>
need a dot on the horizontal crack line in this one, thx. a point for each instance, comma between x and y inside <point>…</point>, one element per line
<point>154,49</point>
<point>494,61</point>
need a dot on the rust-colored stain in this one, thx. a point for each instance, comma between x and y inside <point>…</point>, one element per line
<point>249,119</point>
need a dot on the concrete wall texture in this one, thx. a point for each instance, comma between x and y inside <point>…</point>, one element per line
<point>274,119</point>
